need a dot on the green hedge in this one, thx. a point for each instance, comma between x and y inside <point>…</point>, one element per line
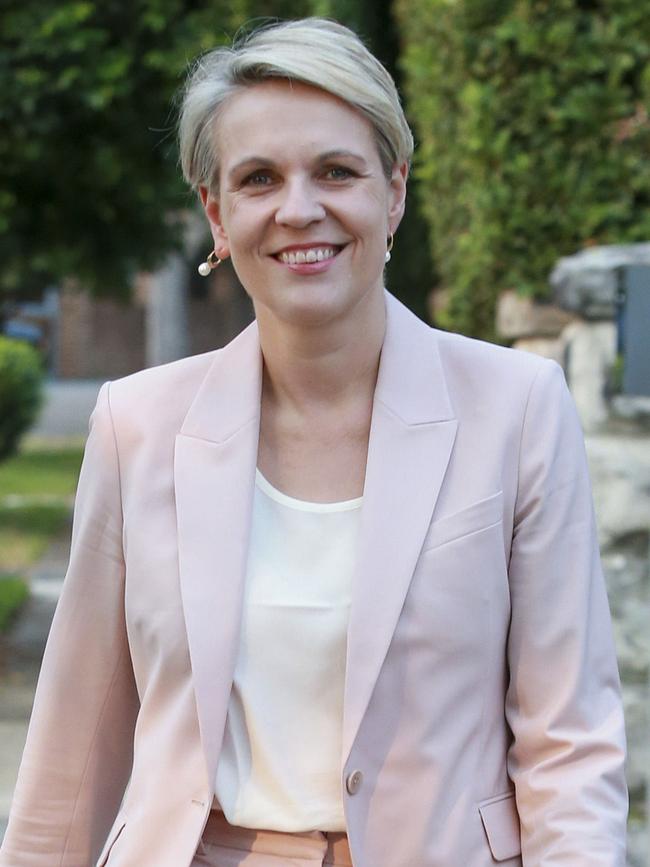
<point>532,121</point>
<point>21,392</point>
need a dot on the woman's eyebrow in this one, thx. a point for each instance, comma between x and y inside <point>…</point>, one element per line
<point>252,162</point>
<point>264,162</point>
<point>339,154</point>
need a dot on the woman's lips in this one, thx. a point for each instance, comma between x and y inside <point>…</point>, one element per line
<point>310,259</point>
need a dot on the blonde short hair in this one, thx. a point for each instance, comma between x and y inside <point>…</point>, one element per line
<point>314,51</point>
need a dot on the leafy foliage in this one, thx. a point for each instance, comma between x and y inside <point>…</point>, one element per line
<point>21,385</point>
<point>87,155</point>
<point>533,137</point>
<point>89,183</point>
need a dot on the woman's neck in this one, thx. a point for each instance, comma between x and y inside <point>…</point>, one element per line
<point>308,371</point>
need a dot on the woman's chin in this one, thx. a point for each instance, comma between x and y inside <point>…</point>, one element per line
<point>306,308</point>
<point>312,306</point>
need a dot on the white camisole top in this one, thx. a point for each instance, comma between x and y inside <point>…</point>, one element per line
<point>280,763</point>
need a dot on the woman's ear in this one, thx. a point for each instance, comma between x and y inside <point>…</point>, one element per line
<point>397,195</point>
<point>213,213</point>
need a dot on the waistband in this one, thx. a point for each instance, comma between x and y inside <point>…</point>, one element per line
<point>324,847</point>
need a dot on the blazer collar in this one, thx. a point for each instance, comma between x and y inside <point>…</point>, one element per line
<point>410,380</point>
<point>229,396</point>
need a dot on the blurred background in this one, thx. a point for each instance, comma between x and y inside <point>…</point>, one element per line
<point>528,224</point>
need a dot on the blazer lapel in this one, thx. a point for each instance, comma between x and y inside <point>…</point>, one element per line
<point>411,437</point>
<point>214,478</point>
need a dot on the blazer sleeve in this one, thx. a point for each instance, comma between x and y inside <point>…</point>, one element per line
<point>78,754</point>
<point>563,702</point>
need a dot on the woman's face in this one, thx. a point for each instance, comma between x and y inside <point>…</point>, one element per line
<point>303,208</point>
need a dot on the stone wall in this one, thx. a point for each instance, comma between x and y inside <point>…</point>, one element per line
<point>620,472</point>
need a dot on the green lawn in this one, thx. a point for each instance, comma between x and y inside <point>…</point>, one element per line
<point>26,530</point>
<point>13,592</point>
<point>36,494</point>
<point>41,473</point>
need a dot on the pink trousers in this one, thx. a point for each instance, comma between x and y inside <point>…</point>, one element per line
<point>224,845</point>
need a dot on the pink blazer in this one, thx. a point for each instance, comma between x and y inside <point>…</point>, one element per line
<point>482,718</point>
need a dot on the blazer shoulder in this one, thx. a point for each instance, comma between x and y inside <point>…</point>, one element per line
<point>488,367</point>
<point>164,381</point>
<point>165,390</point>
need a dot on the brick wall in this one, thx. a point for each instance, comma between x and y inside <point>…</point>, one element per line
<point>105,339</point>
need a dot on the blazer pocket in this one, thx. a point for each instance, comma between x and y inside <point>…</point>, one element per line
<point>501,825</point>
<point>479,516</point>
<point>118,826</point>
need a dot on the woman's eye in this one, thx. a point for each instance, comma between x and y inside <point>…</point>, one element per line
<point>338,173</point>
<point>257,179</point>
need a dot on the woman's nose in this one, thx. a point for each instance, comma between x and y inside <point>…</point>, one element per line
<point>300,205</point>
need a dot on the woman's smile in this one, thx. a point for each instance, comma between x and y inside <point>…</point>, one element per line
<point>311,258</point>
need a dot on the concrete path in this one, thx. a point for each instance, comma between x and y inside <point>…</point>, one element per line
<point>66,409</point>
<point>21,651</point>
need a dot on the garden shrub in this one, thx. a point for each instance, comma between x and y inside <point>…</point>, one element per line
<point>532,123</point>
<point>21,388</point>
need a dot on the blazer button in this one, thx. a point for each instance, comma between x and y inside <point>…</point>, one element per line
<point>353,782</point>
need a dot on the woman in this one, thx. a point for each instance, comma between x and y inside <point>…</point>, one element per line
<point>334,592</point>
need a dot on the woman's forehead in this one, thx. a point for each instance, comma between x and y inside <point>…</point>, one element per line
<point>278,119</point>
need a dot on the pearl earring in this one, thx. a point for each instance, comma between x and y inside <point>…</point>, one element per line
<point>390,247</point>
<point>210,263</point>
